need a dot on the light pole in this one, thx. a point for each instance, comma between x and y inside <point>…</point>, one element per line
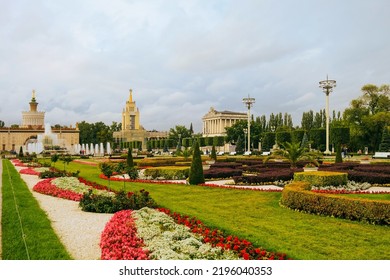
<point>248,101</point>
<point>245,132</point>
<point>327,87</point>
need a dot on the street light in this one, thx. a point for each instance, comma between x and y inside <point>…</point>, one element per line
<point>245,132</point>
<point>248,101</point>
<point>327,87</point>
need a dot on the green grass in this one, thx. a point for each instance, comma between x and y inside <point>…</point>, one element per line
<point>40,240</point>
<point>258,217</point>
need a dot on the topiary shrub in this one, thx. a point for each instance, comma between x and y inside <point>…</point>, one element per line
<point>196,172</point>
<point>322,178</point>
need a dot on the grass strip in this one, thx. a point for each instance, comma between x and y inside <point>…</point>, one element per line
<point>26,229</point>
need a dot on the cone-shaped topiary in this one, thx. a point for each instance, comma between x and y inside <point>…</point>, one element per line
<point>129,161</point>
<point>213,153</point>
<point>196,171</point>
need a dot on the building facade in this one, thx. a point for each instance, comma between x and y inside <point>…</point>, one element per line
<point>215,122</point>
<point>132,130</point>
<point>33,125</point>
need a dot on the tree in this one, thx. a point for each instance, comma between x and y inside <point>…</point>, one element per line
<point>294,152</point>
<point>129,159</point>
<point>196,171</point>
<point>107,169</point>
<point>54,158</point>
<point>178,133</point>
<point>385,142</point>
<point>21,152</point>
<point>66,159</point>
<point>213,154</point>
<point>2,124</point>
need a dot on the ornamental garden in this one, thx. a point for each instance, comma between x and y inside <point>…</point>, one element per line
<point>210,207</point>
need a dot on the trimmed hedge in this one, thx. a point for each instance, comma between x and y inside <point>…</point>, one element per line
<point>168,172</point>
<point>265,177</point>
<point>322,178</point>
<point>219,173</point>
<point>298,196</point>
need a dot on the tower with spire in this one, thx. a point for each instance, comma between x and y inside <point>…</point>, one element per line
<point>33,118</point>
<point>130,114</point>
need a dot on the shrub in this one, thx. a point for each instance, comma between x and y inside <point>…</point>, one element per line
<point>298,196</point>
<point>168,173</point>
<point>219,173</point>
<point>322,178</point>
<point>265,177</point>
<point>196,172</point>
<point>121,201</point>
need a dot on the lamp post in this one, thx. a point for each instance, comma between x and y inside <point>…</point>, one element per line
<point>248,101</point>
<point>245,132</point>
<point>327,87</point>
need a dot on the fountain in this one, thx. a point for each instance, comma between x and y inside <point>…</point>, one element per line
<point>45,141</point>
<point>101,150</point>
<point>108,148</point>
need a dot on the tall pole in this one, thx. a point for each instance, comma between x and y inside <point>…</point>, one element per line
<point>327,87</point>
<point>248,101</point>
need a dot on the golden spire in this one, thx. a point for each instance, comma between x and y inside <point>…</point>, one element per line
<point>131,95</point>
<point>33,95</point>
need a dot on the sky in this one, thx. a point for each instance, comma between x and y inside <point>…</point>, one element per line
<point>182,57</point>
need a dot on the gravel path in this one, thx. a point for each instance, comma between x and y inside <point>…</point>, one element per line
<point>79,231</point>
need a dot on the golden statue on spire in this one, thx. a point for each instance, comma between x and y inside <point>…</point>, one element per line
<point>131,95</point>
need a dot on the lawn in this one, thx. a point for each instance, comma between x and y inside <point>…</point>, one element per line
<point>22,217</point>
<point>258,217</point>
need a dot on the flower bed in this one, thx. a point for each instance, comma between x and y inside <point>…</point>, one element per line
<point>217,238</point>
<point>47,187</point>
<point>119,239</point>
<point>33,171</point>
<point>66,187</point>
<point>162,235</point>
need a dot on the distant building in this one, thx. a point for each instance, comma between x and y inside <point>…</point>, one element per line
<point>131,128</point>
<point>215,122</point>
<point>33,124</point>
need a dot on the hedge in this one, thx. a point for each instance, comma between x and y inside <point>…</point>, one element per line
<point>322,178</point>
<point>298,196</point>
<point>168,173</point>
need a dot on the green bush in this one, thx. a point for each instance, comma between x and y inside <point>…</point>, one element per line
<point>168,173</point>
<point>121,201</point>
<point>196,175</point>
<point>298,196</point>
<point>322,178</point>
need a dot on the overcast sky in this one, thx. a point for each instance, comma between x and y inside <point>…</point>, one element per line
<point>182,57</point>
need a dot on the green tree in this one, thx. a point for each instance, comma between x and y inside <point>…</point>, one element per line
<point>107,169</point>
<point>178,133</point>
<point>129,159</point>
<point>54,158</point>
<point>213,154</point>
<point>339,158</point>
<point>385,142</point>
<point>196,171</point>
<point>21,154</point>
<point>66,159</point>
<point>294,152</point>
<point>2,124</point>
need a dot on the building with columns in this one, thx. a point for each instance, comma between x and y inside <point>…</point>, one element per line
<point>32,126</point>
<point>215,122</point>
